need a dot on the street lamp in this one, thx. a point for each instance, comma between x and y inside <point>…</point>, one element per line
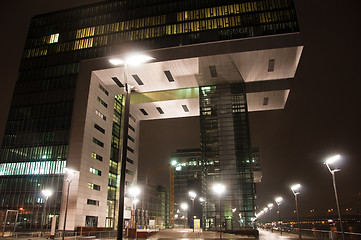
<point>270,206</point>
<point>70,175</point>
<point>133,60</point>
<point>46,193</point>
<point>202,200</point>
<point>296,190</point>
<point>184,207</point>
<point>329,161</point>
<point>193,195</point>
<point>135,201</point>
<point>134,192</point>
<point>219,189</point>
<point>279,201</point>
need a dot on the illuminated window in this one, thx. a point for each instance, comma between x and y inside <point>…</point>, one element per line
<point>100,115</point>
<point>94,186</point>
<point>97,156</point>
<point>95,171</point>
<point>85,32</point>
<point>54,38</point>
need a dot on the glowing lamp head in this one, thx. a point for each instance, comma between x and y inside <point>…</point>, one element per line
<point>201,199</point>
<point>296,188</point>
<point>192,194</point>
<point>279,200</point>
<point>131,59</point>
<point>270,206</point>
<point>47,192</point>
<point>116,61</point>
<point>184,206</point>
<point>173,162</point>
<point>137,59</point>
<point>333,159</point>
<point>219,188</point>
<point>134,191</point>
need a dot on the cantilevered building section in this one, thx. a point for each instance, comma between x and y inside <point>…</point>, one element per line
<point>213,59</point>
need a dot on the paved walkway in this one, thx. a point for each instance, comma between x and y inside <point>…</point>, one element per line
<point>198,235</point>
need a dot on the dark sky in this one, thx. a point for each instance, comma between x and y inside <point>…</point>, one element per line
<point>322,116</point>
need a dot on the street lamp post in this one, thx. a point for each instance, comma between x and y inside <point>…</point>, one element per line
<point>279,202</point>
<point>193,195</point>
<point>69,180</point>
<point>202,200</point>
<point>135,201</point>
<point>134,192</point>
<point>184,207</point>
<point>296,190</point>
<point>270,206</point>
<point>219,189</point>
<point>329,161</point>
<point>46,193</point>
<point>135,59</point>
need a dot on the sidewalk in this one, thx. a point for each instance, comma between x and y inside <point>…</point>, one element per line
<point>188,233</point>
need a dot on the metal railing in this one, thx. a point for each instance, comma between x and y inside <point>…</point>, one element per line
<point>324,234</point>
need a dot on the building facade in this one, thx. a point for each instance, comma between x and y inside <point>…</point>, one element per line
<point>153,207</point>
<point>66,109</point>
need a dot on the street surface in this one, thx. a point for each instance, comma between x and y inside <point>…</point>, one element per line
<point>189,234</point>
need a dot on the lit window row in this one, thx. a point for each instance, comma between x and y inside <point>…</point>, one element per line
<point>185,27</point>
<point>85,32</point>
<point>232,9</point>
<point>32,168</point>
<point>83,43</point>
<point>46,152</point>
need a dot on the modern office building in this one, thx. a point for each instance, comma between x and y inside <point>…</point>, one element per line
<point>214,59</point>
<point>153,207</point>
<point>188,175</point>
<point>192,173</point>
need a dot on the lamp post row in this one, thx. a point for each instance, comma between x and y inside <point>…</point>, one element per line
<point>296,191</point>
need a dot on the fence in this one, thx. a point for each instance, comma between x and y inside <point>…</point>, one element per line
<point>324,234</point>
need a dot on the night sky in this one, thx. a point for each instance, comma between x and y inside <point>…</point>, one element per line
<point>321,118</point>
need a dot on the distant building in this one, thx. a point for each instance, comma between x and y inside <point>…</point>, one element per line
<point>192,173</point>
<point>153,207</point>
<point>215,59</point>
<point>188,175</point>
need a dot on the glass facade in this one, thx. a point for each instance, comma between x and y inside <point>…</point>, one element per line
<point>38,126</point>
<point>225,141</point>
